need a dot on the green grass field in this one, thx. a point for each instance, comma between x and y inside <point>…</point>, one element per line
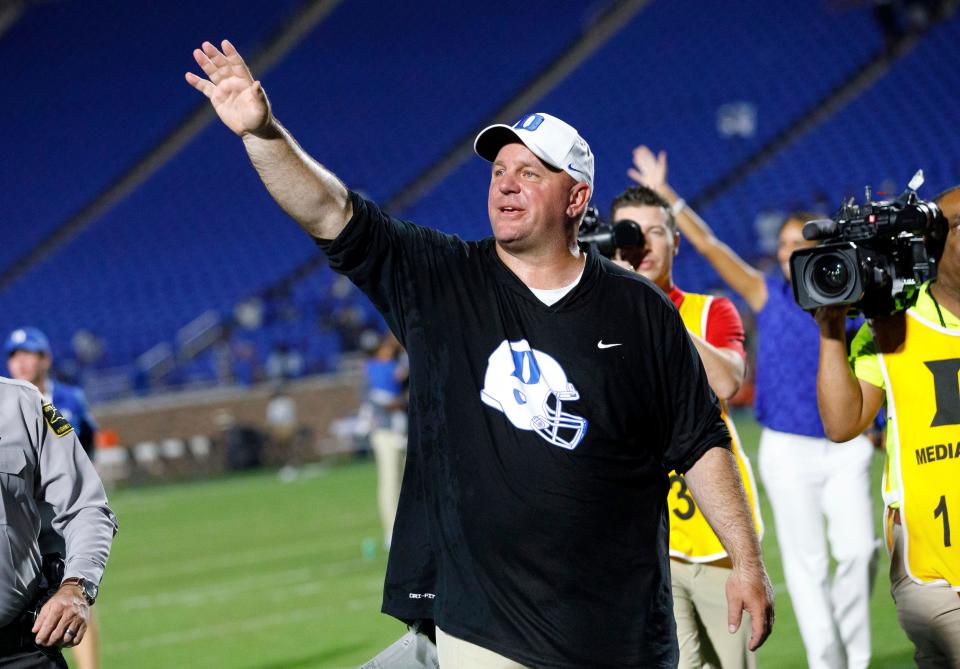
<point>250,571</point>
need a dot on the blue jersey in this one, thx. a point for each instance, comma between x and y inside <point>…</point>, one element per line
<point>382,376</point>
<point>789,345</point>
<point>72,404</point>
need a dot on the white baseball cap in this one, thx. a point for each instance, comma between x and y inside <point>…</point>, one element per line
<point>554,142</point>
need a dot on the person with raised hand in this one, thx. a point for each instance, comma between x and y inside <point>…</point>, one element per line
<point>550,393</point>
<point>309,193</point>
<point>808,478</point>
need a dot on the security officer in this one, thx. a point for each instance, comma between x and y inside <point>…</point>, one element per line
<point>29,358</point>
<point>44,472</point>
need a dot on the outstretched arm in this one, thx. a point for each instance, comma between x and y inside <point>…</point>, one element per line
<point>310,194</point>
<point>651,171</point>
<point>715,483</point>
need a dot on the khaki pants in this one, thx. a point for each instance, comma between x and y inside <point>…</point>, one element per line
<point>455,653</point>
<point>929,614</point>
<point>700,608</point>
<point>390,451</point>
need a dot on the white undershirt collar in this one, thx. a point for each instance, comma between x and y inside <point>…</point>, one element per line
<point>550,296</point>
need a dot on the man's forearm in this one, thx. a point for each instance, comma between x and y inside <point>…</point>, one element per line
<point>740,276</point>
<point>839,397</point>
<point>308,192</point>
<point>691,226</point>
<point>724,367</point>
<point>718,490</point>
<point>715,483</point>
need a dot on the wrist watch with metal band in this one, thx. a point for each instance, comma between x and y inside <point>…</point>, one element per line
<point>88,588</point>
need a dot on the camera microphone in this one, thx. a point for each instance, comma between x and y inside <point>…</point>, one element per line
<point>821,228</point>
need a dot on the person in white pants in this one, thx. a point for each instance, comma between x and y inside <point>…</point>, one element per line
<point>819,490</point>
<point>811,480</point>
<point>385,409</point>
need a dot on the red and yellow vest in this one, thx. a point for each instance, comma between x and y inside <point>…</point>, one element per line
<point>922,473</point>
<point>691,537</point>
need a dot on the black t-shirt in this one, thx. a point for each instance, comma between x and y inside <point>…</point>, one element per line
<point>532,518</point>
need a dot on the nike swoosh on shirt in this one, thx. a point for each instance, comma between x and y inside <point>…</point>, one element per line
<point>600,344</point>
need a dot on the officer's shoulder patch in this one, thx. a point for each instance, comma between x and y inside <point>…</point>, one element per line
<point>55,420</point>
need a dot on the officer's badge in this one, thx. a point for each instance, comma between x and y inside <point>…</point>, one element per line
<point>55,420</point>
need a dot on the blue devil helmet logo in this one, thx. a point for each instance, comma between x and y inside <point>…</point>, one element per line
<point>530,387</point>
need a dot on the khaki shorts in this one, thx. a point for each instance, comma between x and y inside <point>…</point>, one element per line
<point>928,613</point>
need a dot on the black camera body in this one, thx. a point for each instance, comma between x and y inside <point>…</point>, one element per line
<point>873,256</point>
<point>608,237</point>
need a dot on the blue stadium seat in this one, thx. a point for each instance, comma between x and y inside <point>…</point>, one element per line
<point>661,81</point>
<point>378,91</point>
<point>896,126</point>
<point>91,87</point>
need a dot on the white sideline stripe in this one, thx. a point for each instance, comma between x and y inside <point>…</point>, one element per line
<point>251,625</point>
<point>212,591</point>
<point>228,560</point>
<point>235,627</point>
<point>280,583</point>
<point>150,500</point>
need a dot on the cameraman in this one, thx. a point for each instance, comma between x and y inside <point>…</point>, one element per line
<point>912,358</point>
<point>809,479</point>
<point>699,566</point>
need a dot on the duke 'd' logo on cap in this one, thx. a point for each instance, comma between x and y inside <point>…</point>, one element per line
<point>529,122</point>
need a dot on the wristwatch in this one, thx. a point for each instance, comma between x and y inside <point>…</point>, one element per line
<point>88,588</point>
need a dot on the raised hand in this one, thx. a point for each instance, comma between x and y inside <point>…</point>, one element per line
<point>649,170</point>
<point>239,101</point>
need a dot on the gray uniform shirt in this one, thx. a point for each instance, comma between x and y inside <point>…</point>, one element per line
<point>43,470</point>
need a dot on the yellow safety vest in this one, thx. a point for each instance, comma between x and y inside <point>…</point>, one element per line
<point>922,379</point>
<point>691,537</point>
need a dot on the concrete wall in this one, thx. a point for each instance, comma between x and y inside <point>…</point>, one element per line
<point>320,400</point>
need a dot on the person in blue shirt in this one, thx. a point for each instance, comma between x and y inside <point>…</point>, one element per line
<point>819,490</point>
<point>29,358</point>
<point>385,409</point>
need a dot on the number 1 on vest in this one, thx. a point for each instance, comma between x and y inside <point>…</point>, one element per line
<point>941,510</point>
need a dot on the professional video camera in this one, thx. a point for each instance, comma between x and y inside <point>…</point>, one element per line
<point>608,237</point>
<point>872,257</point>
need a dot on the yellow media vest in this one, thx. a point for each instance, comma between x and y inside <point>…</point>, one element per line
<point>691,537</point>
<point>922,379</point>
